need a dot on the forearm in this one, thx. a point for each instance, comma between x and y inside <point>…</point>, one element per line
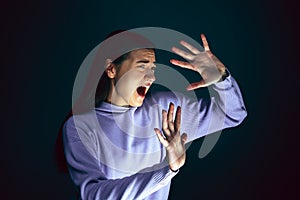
<point>228,99</point>
<point>225,108</point>
<point>137,186</point>
<point>94,184</point>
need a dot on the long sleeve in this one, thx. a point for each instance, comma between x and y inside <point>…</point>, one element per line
<point>93,183</point>
<point>123,138</point>
<point>224,109</point>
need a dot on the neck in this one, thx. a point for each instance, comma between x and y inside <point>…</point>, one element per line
<point>115,99</point>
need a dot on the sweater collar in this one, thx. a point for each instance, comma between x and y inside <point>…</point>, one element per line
<point>108,107</point>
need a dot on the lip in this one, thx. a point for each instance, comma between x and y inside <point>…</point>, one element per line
<point>142,90</point>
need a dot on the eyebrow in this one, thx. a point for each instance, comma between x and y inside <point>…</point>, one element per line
<point>144,61</point>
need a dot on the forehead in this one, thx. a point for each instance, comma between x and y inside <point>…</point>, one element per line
<point>147,54</point>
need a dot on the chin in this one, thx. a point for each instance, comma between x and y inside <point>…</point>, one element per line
<point>138,97</point>
<point>136,104</point>
<point>137,101</point>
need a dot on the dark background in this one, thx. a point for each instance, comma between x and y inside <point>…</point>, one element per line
<point>43,44</point>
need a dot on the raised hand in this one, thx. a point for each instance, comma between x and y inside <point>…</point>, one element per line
<point>206,63</point>
<point>171,139</point>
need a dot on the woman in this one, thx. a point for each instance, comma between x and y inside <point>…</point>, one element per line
<point>117,150</point>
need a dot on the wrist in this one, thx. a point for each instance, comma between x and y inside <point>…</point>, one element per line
<point>175,171</point>
<point>224,75</point>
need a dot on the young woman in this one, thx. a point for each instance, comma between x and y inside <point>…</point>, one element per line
<point>130,146</point>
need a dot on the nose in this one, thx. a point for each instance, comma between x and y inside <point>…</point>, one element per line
<point>150,76</point>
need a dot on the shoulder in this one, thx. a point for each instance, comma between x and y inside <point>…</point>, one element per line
<point>79,124</point>
<point>81,119</point>
<point>163,98</point>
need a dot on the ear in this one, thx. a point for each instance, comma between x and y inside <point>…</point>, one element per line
<point>110,68</point>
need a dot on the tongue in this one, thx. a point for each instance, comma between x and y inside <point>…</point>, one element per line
<point>141,91</point>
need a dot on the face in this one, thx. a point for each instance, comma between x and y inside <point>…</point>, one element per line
<point>133,78</point>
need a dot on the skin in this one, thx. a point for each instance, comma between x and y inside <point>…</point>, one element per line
<point>171,139</point>
<point>138,70</point>
<point>206,63</point>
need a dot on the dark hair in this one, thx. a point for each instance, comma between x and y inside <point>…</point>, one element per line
<point>103,86</point>
<point>102,91</point>
<point>101,95</point>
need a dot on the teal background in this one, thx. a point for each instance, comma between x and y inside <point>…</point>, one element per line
<point>43,44</point>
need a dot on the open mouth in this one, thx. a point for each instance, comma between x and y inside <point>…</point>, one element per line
<point>141,91</point>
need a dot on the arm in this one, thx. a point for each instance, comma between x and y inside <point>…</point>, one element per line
<point>86,174</point>
<point>224,109</point>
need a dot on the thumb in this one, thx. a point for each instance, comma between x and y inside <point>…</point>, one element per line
<point>197,85</point>
<point>183,138</point>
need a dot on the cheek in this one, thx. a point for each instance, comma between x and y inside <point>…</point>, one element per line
<point>128,83</point>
